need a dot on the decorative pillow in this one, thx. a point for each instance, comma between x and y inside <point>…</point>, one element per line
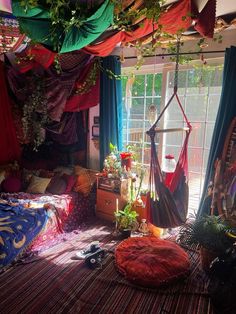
<point>150,261</point>
<point>26,177</point>
<point>38,185</point>
<point>85,180</point>
<point>57,185</point>
<point>70,180</point>
<point>11,185</point>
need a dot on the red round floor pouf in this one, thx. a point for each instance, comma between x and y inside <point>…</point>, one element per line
<point>150,261</point>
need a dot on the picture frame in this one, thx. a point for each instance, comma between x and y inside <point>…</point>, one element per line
<point>96,120</point>
<point>95,131</point>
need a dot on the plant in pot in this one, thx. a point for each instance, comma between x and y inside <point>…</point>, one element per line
<point>211,234</point>
<point>126,220</point>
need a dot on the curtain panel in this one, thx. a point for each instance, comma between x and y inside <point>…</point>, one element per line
<point>226,113</point>
<point>110,107</point>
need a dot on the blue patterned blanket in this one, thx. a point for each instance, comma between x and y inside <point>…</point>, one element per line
<point>18,228</point>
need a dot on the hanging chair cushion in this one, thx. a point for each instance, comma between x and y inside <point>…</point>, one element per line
<point>151,262</point>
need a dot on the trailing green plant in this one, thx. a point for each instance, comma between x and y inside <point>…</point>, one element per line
<point>126,218</point>
<point>210,232</point>
<point>35,114</point>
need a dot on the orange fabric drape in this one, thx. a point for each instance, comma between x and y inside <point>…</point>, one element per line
<point>171,20</point>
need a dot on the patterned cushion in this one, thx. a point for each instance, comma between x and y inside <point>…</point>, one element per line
<point>38,185</point>
<point>150,261</point>
<point>85,180</point>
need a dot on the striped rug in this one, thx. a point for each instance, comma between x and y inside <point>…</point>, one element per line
<point>54,282</point>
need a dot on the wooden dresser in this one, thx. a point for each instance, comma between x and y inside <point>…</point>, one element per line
<point>110,194</point>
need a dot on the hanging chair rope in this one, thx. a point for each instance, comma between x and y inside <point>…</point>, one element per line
<point>167,206</point>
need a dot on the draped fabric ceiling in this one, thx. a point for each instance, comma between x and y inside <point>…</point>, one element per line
<point>79,48</point>
<point>85,43</point>
<point>92,34</point>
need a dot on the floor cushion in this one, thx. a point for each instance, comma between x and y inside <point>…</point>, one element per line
<point>150,261</point>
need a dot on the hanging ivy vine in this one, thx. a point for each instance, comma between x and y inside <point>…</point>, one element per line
<point>35,114</point>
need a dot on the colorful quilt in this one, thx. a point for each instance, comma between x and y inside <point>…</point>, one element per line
<point>19,226</point>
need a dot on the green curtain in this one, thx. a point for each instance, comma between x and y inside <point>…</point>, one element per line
<point>110,107</point>
<point>36,23</point>
<point>226,113</point>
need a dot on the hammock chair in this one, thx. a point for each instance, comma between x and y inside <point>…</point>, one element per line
<point>167,206</point>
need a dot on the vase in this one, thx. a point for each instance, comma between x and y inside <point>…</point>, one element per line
<point>126,163</point>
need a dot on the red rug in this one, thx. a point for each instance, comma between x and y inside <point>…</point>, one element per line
<point>54,282</point>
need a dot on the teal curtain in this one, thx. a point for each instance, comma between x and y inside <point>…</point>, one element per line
<point>36,23</point>
<point>226,113</point>
<point>110,107</point>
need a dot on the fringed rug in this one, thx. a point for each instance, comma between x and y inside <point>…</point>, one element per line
<point>55,282</point>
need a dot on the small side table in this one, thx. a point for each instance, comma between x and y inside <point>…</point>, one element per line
<point>111,193</point>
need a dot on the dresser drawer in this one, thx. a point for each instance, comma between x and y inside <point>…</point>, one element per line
<point>106,204</point>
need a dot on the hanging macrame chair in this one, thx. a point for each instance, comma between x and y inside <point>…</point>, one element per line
<point>167,207</point>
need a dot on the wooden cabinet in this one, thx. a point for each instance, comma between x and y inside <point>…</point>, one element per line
<point>111,192</point>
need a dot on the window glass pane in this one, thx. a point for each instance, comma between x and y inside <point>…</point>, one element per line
<point>195,158</point>
<point>196,137</point>
<point>213,107</point>
<point>173,112</point>
<point>138,86</point>
<point>153,84</point>
<point>173,138</point>
<point>195,191</point>
<point>137,108</point>
<point>205,159</point>
<point>196,108</point>
<point>209,132</point>
<point>182,75</point>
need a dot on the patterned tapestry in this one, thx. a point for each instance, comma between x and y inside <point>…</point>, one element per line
<point>19,226</point>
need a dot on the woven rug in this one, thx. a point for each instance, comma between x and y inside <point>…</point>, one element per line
<point>55,282</point>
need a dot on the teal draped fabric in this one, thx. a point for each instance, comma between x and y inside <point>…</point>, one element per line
<point>110,107</point>
<point>226,112</point>
<point>36,23</point>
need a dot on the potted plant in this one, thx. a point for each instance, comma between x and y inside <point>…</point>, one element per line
<point>126,220</point>
<point>212,234</point>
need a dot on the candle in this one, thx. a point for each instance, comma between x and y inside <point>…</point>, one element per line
<point>117,205</point>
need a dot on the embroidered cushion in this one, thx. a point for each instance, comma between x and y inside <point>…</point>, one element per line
<point>85,180</point>
<point>150,261</point>
<point>38,185</point>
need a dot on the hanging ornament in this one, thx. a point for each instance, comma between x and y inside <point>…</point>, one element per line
<point>152,113</point>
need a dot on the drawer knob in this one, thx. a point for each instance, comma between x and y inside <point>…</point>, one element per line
<point>107,202</point>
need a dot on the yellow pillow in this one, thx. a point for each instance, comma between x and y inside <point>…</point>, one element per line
<point>85,180</point>
<point>38,185</point>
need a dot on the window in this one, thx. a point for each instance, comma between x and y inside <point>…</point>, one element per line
<point>139,94</point>
<point>199,92</point>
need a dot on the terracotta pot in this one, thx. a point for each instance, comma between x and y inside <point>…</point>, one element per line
<point>206,257</point>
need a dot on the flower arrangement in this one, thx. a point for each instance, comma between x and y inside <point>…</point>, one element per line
<point>123,165</point>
